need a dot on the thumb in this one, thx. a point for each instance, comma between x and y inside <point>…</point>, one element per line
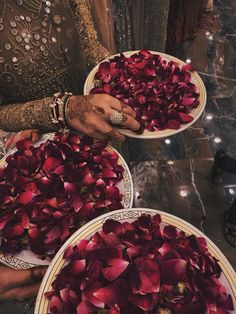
<point>18,278</point>
<point>34,135</point>
<point>21,293</point>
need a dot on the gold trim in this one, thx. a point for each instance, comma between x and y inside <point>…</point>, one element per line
<point>127,214</point>
<point>195,113</point>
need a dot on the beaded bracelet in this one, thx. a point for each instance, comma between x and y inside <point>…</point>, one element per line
<point>58,111</point>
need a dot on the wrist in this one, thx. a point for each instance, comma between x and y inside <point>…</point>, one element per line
<point>58,111</point>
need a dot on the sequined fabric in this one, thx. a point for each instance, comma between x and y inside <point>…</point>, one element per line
<point>93,51</point>
<point>140,24</point>
<point>42,50</point>
<point>123,26</point>
<point>32,61</point>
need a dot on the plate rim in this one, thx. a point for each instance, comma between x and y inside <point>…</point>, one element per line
<point>13,261</point>
<point>227,268</point>
<point>168,132</point>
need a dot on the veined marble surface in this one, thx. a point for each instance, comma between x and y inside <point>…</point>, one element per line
<point>173,174</point>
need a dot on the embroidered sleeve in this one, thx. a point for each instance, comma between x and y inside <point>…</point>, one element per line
<point>93,51</point>
<point>30,115</point>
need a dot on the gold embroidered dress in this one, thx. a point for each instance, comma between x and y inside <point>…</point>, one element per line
<point>40,47</point>
<point>45,46</point>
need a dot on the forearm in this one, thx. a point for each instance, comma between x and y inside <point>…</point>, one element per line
<point>31,115</point>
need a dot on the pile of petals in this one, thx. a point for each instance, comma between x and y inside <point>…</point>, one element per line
<point>48,192</point>
<point>139,267</point>
<point>160,92</point>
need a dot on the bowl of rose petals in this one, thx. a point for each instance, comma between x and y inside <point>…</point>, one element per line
<point>167,94</point>
<point>138,261</point>
<point>50,189</point>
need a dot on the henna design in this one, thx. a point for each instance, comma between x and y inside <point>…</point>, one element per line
<point>123,105</point>
<point>79,109</point>
<point>112,134</point>
<point>124,117</point>
<point>31,115</point>
<point>100,109</point>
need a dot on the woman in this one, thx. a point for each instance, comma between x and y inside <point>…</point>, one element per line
<point>48,47</point>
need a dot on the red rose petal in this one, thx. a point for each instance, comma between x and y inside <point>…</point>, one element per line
<point>55,305</point>
<point>13,232</point>
<point>77,266</point>
<point>185,118</point>
<point>114,293</point>
<point>53,235</point>
<point>169,232</point>
<point>113,192</point>
<point>173,271</point>
<point>116,267</point>
<point>50,164</point>
<point>25,198</point>
<point>149,275</point>
<point>108,173</point>
<point>144,302</point>
<point>77,202</point>
<point>23,144</point>
<point>85,308</point>
<point>112,226</point>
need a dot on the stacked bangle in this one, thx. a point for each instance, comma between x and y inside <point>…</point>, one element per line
<point>58,108</point>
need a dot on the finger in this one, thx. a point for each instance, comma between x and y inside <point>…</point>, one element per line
<point>24,277</point>
<point>21,293</point>
<point>110,133</point>
<point>99,136</point>
<point>128,122</point>
<point>123,107</point>
<point>113,134</point>
<point>35,136</point>
<point>14,138</point>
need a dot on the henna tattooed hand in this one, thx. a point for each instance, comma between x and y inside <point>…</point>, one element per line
<point>20,284</point>
<point>91,115</point>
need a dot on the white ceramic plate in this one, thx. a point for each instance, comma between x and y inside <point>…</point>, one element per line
<point>195,113</point>
<point>227,277</point>
<point>26,258</point>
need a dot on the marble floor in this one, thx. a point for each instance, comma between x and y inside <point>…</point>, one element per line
<point>173,174</point>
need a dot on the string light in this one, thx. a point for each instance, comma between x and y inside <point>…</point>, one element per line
<point>167,141</point>
<point>209,117</point>
<point>137,195</point>
<point>231,191</point>
<point>217,140</point>
<point>170,162</point>
<point>188,60</point>
<point>183,193</point>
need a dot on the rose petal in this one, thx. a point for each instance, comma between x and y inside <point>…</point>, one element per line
<point>55,305</point>
<point>115,293</point>
<point>116,266</point>
<point>173,271</point>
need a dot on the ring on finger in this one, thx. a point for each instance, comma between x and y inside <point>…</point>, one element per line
<point>117,118</point>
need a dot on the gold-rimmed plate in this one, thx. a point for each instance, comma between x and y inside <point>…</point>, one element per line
<point>195,113</point>
<point>26,258</point>
<point>227,277</point>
